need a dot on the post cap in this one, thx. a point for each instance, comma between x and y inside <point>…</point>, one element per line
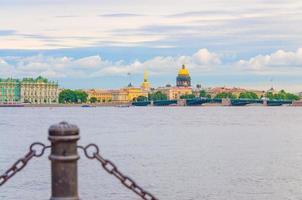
<point>63,128</point>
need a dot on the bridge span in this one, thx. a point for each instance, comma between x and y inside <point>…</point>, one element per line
<point>209,101</point>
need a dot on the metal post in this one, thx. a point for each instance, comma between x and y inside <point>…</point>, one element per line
<point>64,157</point>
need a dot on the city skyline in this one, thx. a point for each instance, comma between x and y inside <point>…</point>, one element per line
<point>255,44</point>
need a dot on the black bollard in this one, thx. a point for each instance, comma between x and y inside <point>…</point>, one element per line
<point>64,157</point>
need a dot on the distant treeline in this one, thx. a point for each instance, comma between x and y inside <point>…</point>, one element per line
<point>281,95</point>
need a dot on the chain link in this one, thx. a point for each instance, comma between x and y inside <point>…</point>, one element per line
<point>113,170</point>
<point>36,149</point>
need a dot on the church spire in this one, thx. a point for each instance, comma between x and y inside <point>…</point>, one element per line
<point>145,76</point>
<point>145,84</point>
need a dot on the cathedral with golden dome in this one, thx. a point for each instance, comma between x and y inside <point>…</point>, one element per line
<point>183,78</point>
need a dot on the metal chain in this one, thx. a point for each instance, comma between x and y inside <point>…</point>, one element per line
<point>36,149</point>
<point>113,170</point>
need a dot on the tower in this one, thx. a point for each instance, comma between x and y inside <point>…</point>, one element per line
<point>183,78</point>
<point>145,84</point>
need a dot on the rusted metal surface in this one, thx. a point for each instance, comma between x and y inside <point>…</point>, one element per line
<point>64,157</point>
<point>35,150</point>
<point>92,151</point>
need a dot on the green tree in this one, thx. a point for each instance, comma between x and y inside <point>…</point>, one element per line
<point>93,100</point>
<point>71,96</point>
<point>225,95</point>
<point>248,95</point>
<point>81,96</point>
<point>142,98</point>
<point>290,96</point>
<point>67,96</point>
<point>281,95</point>
<point>269,95</point>
<point>157,96</point>
<point>203,93</point>
<point>187,96</point>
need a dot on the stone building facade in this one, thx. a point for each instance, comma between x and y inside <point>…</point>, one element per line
<point>9,91</point>
<point>28,90</point>
<point>39,91</point>
<point>102,96</point>
<point>175,92</point>
<point>128,94</point>
<point>234,90</point>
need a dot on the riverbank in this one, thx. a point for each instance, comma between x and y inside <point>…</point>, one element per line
<point>178,104</point>
<point>129,105</point>
<point>77,105</point>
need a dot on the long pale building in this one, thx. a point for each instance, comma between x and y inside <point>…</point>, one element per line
<point>39,91</point>
<point>28,90</point>
<point>128,94</point>
<point>102,96</point>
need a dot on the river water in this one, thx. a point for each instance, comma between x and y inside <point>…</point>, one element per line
<point>177,153</point>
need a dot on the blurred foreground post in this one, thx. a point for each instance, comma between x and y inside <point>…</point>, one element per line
<point>64,157</point>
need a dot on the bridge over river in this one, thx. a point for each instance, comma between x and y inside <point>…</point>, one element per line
<point>224,102</point>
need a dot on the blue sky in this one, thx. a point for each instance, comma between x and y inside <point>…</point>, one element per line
<point>85,44</point>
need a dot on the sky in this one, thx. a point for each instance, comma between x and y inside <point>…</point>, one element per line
<point>95,44</point>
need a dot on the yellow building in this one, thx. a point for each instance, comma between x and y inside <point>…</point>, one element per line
<point>175,92</point>
<point>128,94</point>
<point>102,96</point>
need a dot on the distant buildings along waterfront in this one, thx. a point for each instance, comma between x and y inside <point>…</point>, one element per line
<point>101,96</point>
<point>42,91</point>
<point>128,94</point>
<point>28,90</point>
<point>131,93</point>
<point>123,95</point>
<point>233,90</point>
<point>183,85</point>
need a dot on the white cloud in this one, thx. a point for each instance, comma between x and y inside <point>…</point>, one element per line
<point>2,62</point>
<point>201,62</point>
<point>52,74</point>
<point>204,57</point>
<point>95,66</point>
<point>6,70</point>
<point>91,61</point>
<point>279,60</point>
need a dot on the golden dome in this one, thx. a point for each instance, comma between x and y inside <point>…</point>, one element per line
<point>183,71</point>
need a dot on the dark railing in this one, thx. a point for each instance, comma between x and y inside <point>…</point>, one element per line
<point>64,157</point>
